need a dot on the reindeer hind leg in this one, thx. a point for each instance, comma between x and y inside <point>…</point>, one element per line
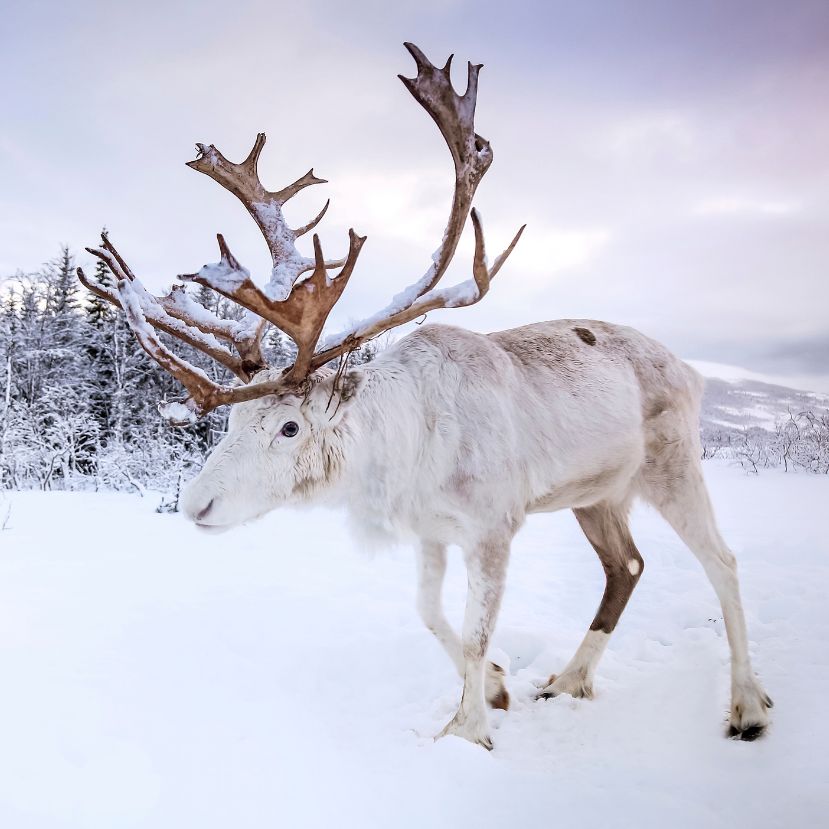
<point>682,499</point>
<point>606,528</point>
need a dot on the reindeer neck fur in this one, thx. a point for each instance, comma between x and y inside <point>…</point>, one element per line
<point>379,446</point>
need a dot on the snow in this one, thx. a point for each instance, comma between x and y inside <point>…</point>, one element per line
<point>223,277</point>
<point>454,296</point>
<point>157,677</point>
<point>152,309</point>
<point>177,413</point>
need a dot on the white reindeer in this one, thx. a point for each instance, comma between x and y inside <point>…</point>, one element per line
<point>447,437</point>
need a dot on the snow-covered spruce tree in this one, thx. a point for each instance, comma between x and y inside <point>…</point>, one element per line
<point>100,317</point>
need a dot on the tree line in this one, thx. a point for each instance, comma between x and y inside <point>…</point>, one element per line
<point>798,441</point>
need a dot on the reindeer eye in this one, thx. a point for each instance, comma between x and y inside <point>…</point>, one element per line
<point>290,429</point>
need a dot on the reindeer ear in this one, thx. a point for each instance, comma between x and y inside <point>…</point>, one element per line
<point>329,399</point>
<point>350,384</point>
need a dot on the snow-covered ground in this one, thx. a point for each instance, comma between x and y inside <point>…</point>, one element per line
<point>156,677</point>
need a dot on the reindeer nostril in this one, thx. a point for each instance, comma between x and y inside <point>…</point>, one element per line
<point>203,513</point>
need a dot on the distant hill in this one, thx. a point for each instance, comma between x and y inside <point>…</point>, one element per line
<point>743,404</point>
<point>762,423</point>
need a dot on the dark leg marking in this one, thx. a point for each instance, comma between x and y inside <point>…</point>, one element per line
<point>748,735</point>
<point>586,335</point>
<point>607,530</point>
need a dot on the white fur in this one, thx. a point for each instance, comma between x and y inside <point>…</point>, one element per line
<point>452,437</point>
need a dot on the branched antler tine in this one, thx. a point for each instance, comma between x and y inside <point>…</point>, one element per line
<point>480,272</point>
<point>315,298</point>
<point>467,293</point>
<point>124,267</point>
<point>112,263</point>
<point>454,115</point>
<point>265,207</point>
<point>251,163</point>
<point>319,259</point>
<point>300,184</point>
<point>303,313</point>
<point>470,97</point>
<point>95,288</point>
<point>226,255</point>
<point>179,325</point>
<point>220,275</point>
<point>355,245</point>
<point>301,231</point>
<point>420,59</point>
<point>180,305</point>
<point>499,261</point>
<point>197,383</point>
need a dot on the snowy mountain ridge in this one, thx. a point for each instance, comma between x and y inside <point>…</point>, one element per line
<point>738,399</point>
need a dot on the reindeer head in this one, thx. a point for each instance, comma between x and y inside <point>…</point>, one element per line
<point>287,447</point>
<point>262,462</point>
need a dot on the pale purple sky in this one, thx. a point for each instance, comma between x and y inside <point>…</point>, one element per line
<point>670,158</point>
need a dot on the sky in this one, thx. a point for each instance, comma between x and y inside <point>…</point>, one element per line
<point>669,158</point>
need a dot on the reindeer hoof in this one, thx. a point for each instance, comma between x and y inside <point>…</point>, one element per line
<point>496,691</point>
<point>573,684</point>
<point>747,734</point>
<point>473,729</point>
<point>749,712</point>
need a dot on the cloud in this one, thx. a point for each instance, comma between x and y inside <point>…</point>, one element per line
<point>651,132</point>
<point>735,205</point>
<point>545,250</point>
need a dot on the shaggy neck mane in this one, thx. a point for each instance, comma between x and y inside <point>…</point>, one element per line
<point>382,440</point>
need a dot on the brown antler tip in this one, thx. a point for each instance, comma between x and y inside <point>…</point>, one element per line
<point>355,237</point>
<point>319,259</point>
<point>414,51</point>
<point>202,153</point>
<point>317,180</point>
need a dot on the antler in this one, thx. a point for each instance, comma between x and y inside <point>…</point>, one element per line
<point>302,315</point>
<point>300,308</point>
<point>179,315</point>
<point>454,114</point>
<point>265,207</point>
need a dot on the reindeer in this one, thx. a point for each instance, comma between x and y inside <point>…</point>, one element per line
<point>448,436</point>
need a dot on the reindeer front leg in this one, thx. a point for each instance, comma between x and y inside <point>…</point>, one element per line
<point>431,571</point>
<point>486,566</point>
